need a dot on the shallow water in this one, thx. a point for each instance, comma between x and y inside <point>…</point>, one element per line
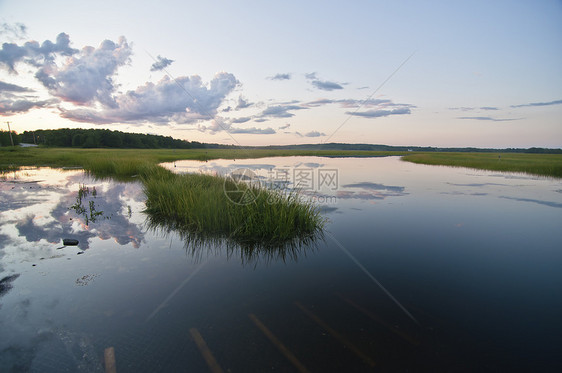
<point>421,268</point>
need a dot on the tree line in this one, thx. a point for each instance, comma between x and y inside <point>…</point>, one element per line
<point>100,138</point>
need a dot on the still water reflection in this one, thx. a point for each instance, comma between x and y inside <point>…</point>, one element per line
<point>473,256</point>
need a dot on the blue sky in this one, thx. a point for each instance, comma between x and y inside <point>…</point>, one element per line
<point>479,73</point>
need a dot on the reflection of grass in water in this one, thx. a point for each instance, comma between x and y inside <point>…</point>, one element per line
<point>200,245</point>
<point>536,164</point>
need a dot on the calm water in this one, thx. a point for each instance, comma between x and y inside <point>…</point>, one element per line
<point>421,268</point>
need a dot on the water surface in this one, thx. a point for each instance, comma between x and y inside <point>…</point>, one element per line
<point>421,268</point>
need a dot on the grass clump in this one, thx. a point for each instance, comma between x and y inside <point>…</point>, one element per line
<point>198,203</point>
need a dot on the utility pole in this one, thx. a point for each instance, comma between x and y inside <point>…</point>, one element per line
<point>10,132</point>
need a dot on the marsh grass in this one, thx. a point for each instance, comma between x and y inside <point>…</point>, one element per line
<point>197,203</point>
<point>534,164</point>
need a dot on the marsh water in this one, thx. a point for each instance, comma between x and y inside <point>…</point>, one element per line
<point>420,268</point>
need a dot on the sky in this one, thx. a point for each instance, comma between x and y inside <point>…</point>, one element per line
<point>437,73</point>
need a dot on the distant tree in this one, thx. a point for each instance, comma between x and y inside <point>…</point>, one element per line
<point>5,138</point>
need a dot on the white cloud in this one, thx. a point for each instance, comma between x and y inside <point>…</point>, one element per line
<point>87,78</point>
<point>161,63</point>
<point>183,100</point>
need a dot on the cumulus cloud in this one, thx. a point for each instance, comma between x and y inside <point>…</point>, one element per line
<point>326,85</point>
<point>34,53</point>
<point>253,130</point>
<point>380,113</point>
<point>7,87</point>
<point>280,77</point>
<point>87,77</point>
<point>183,100</point>
<point>161,63</point>
<point>14,105</point>
<point>314,134</point>
<point>280,111</point>
<point>241,120</point>
<point>557,102</point>
<point>490,119</point>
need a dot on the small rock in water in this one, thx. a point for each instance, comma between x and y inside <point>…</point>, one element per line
<point>69,242</point>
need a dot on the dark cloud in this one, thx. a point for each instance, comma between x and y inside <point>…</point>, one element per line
<point>183,100</point>
<point>380,113</point>
<point>490,119</point>
<point>326,85</point>
<point>319,102</point>
<point>314,134</point>
<point>253,130</point>
<point>241,120</point>
<point>280,111</point>
<point>34,53</point>
<point>322,84</point>
<point>7,87</point>
<point>161,63</point>
<point>557,102</point>
<point>243,103</point>
<point>9,106</point>
<point>280,77</point>
<point>6,284</point>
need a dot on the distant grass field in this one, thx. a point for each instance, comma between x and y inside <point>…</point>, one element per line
<point>131,161</point>
<point>92,158</point>
<point>534,164</point>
